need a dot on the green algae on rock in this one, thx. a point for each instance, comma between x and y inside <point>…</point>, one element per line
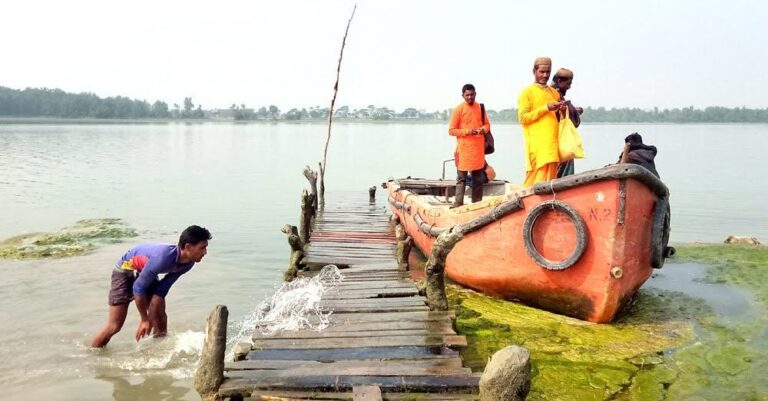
<point>75,240</point>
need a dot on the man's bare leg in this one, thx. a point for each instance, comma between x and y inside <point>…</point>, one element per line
<point>117,314</point>
<point>157,316</point>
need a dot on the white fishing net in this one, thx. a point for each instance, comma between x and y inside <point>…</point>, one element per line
<point>294,306</point>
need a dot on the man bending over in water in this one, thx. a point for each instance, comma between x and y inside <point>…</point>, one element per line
<point>136,277</point>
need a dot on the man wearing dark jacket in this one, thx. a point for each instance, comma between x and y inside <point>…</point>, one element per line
<point>640,153</point>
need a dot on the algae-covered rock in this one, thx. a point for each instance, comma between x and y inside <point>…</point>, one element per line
<point>507,376</point>
<point>75,240</point>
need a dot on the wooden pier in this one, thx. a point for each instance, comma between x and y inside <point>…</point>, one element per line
<point>383,341</point>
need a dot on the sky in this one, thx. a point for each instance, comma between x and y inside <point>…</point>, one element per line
<point>399,53</point>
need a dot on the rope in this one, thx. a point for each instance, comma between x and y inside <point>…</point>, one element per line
<point>554,194</point>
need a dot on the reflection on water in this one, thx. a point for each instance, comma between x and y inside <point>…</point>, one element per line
<point>152,387</point>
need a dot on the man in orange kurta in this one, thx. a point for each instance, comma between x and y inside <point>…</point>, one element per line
<point>537,107</point>
<point>468,128</point>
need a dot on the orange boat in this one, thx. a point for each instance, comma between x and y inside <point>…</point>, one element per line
<point>580,245</point>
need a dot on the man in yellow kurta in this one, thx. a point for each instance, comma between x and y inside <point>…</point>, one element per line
<point>468,128</point>
<point>537,106</point>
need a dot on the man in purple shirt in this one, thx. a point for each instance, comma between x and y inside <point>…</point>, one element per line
<point>136,276</point>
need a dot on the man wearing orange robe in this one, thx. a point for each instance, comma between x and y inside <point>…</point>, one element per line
<point>537,107</point>
<point>468,128</point>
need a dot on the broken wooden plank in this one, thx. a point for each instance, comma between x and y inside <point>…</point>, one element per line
<point>339,354</point>
<point>454,362</point>
<point>353,335</point>
<point>362,342</point>
<point>245,385</point>
<point>271,395</point>
<point>393,316</point>
<point>381,369</point>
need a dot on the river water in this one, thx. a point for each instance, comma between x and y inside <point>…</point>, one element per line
<point>243,182</point>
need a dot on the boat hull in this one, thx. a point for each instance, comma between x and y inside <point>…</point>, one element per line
<point>615,257</point>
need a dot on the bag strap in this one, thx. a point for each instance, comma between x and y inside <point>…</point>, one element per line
<point>482,113</point>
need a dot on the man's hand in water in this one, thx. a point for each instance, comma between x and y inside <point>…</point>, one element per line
<point>144,329</point>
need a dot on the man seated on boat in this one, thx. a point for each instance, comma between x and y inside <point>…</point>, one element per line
<point>640,153</point>
<point>467,126</point>
<point>538,105</point>
<point>562,82</point>
<point>135,276</point>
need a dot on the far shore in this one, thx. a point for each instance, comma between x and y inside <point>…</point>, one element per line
<point>109,121</point>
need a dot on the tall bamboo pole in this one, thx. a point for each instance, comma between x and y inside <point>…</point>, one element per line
<point>330,112</point>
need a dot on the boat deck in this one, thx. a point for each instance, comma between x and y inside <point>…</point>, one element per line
<point>383,342</point>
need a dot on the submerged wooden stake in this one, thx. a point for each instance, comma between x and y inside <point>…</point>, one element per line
<point>297,252</point>
<point>372,194</point>
<point>435,269</point>
<point>210,370</point>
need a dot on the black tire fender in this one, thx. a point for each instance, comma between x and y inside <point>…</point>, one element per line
<point>578,223</point>
<point>660,234</point>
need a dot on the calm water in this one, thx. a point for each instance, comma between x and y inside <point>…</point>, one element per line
<point>243,182</point>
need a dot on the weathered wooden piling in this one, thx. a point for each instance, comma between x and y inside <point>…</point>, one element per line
<point>210,370</point>
<point>435,268</point>
<point>372,194</point>
<point>311,176</point>
<point>297,252</point>
<point>404,244</point>
<point>307,211</point>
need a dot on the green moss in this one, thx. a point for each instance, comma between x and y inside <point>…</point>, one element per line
<point>666,345</point>
<point>77,239</point>
<point>742,265</point>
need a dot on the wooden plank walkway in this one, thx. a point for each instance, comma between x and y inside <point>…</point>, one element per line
<point>383,342</point>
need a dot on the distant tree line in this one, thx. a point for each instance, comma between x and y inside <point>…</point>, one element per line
<point>56,103</point>
<point>32,102</point>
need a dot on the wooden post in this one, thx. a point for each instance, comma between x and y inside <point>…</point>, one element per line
<point>435,269</point>
<point>312,178</point>
<point>297,252</point>
<point>404,243</point>
<point>210,370</point>
<point>306,216</point>
<point>372,194</point>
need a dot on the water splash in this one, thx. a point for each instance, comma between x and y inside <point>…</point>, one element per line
<point>176,355</point>
<point>294,306</point>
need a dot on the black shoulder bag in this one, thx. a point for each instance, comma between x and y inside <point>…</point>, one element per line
<point>489,147</point>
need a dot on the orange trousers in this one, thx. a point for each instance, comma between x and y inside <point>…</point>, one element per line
<point>544,173</point>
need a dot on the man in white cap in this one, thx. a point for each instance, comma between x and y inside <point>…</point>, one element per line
<point>537,107</point>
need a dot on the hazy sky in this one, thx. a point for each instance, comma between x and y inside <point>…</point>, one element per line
<point>643,53</point>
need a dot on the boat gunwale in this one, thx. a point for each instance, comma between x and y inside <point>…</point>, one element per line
<point>612,172</point>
